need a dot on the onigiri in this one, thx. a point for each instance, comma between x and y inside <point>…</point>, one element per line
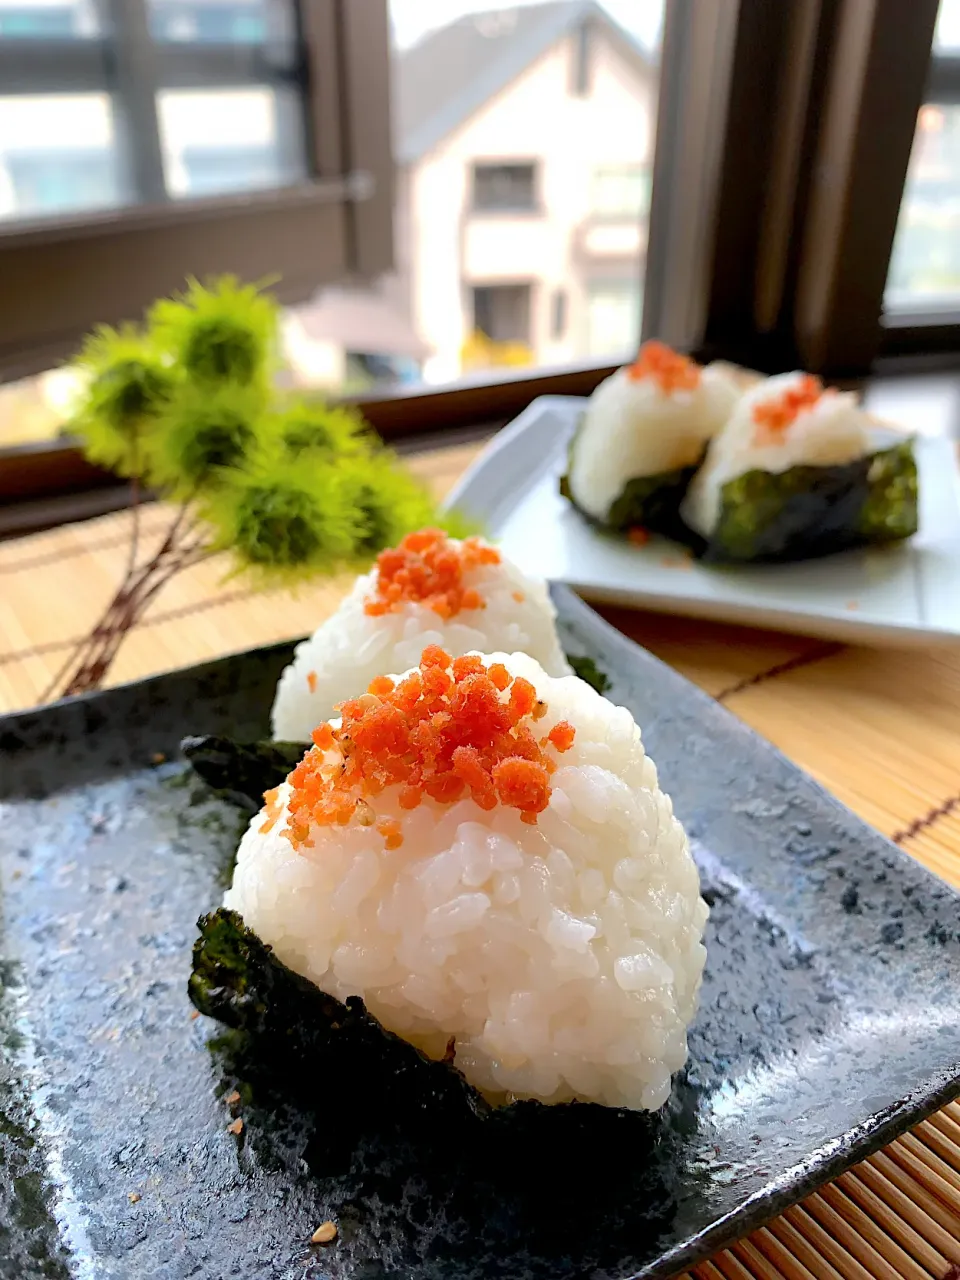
<point>431,589</point>
<point>786,421</point>
<point>482,852</point>
<point>643,431</point>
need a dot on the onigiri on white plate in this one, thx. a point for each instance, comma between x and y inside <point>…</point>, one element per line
<point>431,589</point>
<point>481,851</point>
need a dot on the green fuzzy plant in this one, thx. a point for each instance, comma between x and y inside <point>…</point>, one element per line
<point>186,406</point>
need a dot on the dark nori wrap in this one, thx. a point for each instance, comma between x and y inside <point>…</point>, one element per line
<point>412,1164</point>
<point>645,502</point>
<point>813,511</point>
<point>237,979</point>
<point>589,672</point>
<point>242,771</point>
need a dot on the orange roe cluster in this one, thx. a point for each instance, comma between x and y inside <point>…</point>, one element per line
<point>666,367</point>
<point>429,569</point>
<point>775,415</point>
<point>452,729</point>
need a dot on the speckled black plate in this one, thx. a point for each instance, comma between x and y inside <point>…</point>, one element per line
<point>829,1023</point>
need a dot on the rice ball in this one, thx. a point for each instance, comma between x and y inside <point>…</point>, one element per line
<point>463,595</point>
<point>790,420</point>
<point>648,419</point>
<point>481,852</point>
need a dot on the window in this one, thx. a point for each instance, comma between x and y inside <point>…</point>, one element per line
<point>501,312</point>
<point>222,140</point>
<point>621,192</point>
<point>925,266</point>
<point>730,174</point>
<point>504,188</point>
<point>558,323</point>
<point>142,141</point>
<point>496,150</point>
<point>54,20</point>
<point>613,318</point>
<point>229,21</point>
<point>582,48</point>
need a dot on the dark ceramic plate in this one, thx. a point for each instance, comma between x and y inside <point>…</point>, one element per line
<point>829,1023</point>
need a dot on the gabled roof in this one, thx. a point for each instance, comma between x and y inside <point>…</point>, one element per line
<point>449,74</point>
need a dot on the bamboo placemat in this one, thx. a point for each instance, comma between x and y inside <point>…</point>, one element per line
<point>878,728</point>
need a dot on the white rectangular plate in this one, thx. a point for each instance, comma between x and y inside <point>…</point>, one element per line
<point>904,594</point>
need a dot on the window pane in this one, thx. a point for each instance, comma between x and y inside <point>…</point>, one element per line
<point>523,137</point>
<point>57,155</point>
<point>946,38</point>
<point>65,142</point>
<point>222,21</point>
<point>925,266</point>
<point>221,140</point>
<point>48,19</point>
<point>504,186</point>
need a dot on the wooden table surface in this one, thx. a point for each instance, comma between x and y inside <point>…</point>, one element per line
<point>879,728</point>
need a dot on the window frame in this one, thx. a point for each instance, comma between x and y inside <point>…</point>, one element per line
<point>777,253</point>
<point>73,272</point>
<point>750,249</point>
<point>928,330</point>
<point>533,209</point>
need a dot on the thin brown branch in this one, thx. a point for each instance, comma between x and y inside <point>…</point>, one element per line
<point>134,512</point>
<point>93,658</point>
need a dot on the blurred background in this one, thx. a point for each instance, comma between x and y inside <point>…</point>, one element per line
<point>523,145</point>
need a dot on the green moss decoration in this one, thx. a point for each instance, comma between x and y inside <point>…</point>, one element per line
<point>129,386</point>
<point>286,521</point>
<point>313,430</point>
<point>203,433</point>
<point>186,406</point>
<point>224,332</point>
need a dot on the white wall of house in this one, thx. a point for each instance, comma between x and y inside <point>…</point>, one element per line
<point>537,117</point>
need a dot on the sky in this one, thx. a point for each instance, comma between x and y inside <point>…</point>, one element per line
<point>414,18</point>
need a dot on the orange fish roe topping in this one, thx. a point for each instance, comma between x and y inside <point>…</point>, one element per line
<point>312,681</point>
<point>638,536</point>
<point>427,568</point>
<point>775,415</point>
<point>450,730</point>
<point>272,809</point>
<point>666,367</point>
<point>562,735</point>
<point>381,684</point>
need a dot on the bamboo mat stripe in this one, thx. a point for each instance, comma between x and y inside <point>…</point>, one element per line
<point>877,728</point>
<point>816,653</point>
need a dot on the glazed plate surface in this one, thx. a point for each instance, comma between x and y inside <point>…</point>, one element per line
<point>829,1022</point>
<point>903,594</point>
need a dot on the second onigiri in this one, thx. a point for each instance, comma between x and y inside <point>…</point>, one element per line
<point>431,589</point>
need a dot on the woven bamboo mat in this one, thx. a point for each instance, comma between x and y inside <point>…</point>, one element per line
<point>880,729</point>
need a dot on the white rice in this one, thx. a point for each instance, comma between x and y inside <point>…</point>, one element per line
<point>565,958</point>
<point>832,432</point>
<point>632,428</point>
<point>351,648</point>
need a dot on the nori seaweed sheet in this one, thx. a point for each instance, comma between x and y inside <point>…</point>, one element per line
<point>810,511</point>
<point>237,980</point>
<point>589,672</point>
<point>415,1167</point>
<point>646,502</point>
<point>242,771</point>
<point>799,514</point>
